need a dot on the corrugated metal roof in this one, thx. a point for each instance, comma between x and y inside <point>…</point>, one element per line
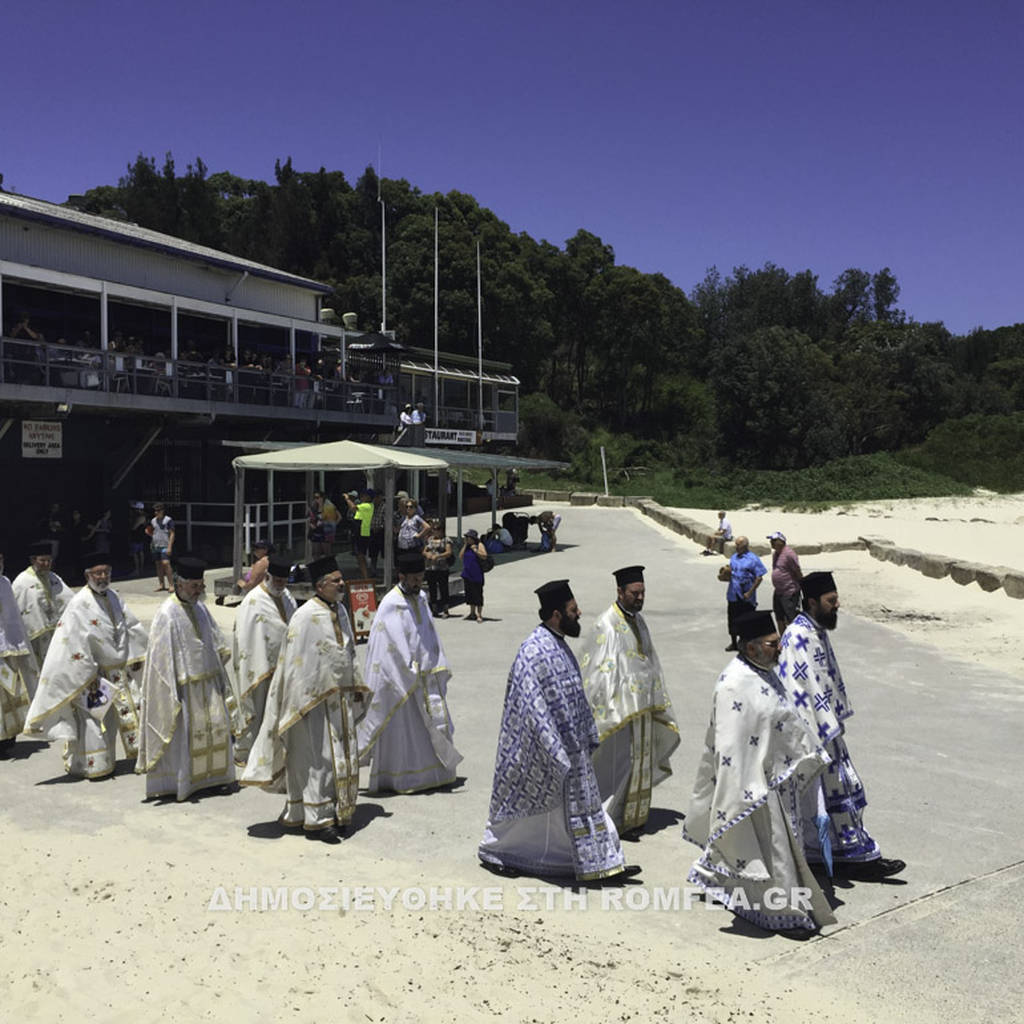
<point>132,234</point>
<point>499,378</point>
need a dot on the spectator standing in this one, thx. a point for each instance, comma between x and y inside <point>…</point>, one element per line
<point>412,530</point>
<point>137,536</point>
<point>362,512</point>
<point>786,577</point>
<point>161,534</point>
<point>438,557</point>
<point>746,571</point>
<point>472,553</point>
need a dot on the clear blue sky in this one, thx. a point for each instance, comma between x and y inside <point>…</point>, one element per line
<point>815,135</point>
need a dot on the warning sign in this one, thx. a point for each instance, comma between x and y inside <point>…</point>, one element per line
<point>42,439</point>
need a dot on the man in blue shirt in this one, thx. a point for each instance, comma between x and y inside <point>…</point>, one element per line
<point>746,571</point>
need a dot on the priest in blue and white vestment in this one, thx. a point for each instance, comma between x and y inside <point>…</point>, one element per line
<point>745,812</point>
<point>546,816</point>
<point>810,673</point>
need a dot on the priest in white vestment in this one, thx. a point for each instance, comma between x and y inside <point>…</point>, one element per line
<point>41,595</point>
<point>260,625</point>
<point>407,731</point>
<point>625,686</point>
<point>18,668</point>
<point>546,817</point>
<point>89,683</point>
<point>759,756</point>
<point>810,673</point>
<point>185,726</point>
<point>306,746</point>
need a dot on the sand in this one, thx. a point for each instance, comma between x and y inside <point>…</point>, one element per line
<point>985,528</point>
<point>116,909</point>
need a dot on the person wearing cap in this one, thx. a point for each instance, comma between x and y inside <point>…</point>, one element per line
<point>361,508</point>
<point>185,725</point>
<point>810,672</point>
<point>759,756</point>
<point>625,686</point>
<point>306,744</point>
<point>786,577</point>
<point>260,624</point>
<point>19,670</point>
<point>407,731</point>
<point>471,554</point>
<point>257,571</point>
<point>42,597</point>
<point>746,571</point>
<point>546,817</point>
<point>89,683</point>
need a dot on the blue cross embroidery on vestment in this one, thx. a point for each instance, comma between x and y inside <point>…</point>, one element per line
<point>788,761</point>
<point>726,762</point>
<point>820,656</point>
<point>778,726</point>
<point>823,700</point>
<point>737,705</point>
<point>782,670</point>
<point>754,740</point>
<point>800,670</point>
<point>823,730</point>
<point>740,865</point>
<point>721,815</point>
<point>840,708</point>
<point>801,643</point>
<point>764,690</point>
<point>832,672</point>
<point>800,698</point>
<point>748,794</point>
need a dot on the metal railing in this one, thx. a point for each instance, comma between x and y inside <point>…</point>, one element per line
<point>40,364</point>
<point>284,522</point>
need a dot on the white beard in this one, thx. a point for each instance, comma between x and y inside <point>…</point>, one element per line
<point>97,587</point>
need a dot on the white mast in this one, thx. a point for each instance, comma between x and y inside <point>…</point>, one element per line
<point>383,253</point>
<point>437,411</point>
<point>479,336</point>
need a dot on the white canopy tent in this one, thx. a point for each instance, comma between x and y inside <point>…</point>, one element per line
<point>332,457</point>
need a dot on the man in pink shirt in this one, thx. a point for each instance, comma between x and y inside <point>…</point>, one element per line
<point>786,577</point>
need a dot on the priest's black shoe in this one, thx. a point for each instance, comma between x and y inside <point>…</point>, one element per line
<point>326,835</point>
<point>869,870</point>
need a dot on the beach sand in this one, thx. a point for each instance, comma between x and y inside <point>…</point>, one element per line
<point>963,621</point>
<point>115,909</point>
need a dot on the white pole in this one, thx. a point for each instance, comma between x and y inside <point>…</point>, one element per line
<point>479,336</point>
<point>437,418</point>
<point>604,469</point>
<point>383,266</point>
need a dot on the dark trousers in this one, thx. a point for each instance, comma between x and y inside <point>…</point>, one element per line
<point>737,609</point>
<point>438,584</point>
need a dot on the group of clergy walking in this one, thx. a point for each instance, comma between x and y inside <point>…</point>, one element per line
<point>582,742</point>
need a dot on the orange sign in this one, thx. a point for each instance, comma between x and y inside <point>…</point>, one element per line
<point>362,603</point>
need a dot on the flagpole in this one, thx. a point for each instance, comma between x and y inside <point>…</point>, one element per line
<point>383,252</point>
<point>479,336</point>
<point>437,410</point>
